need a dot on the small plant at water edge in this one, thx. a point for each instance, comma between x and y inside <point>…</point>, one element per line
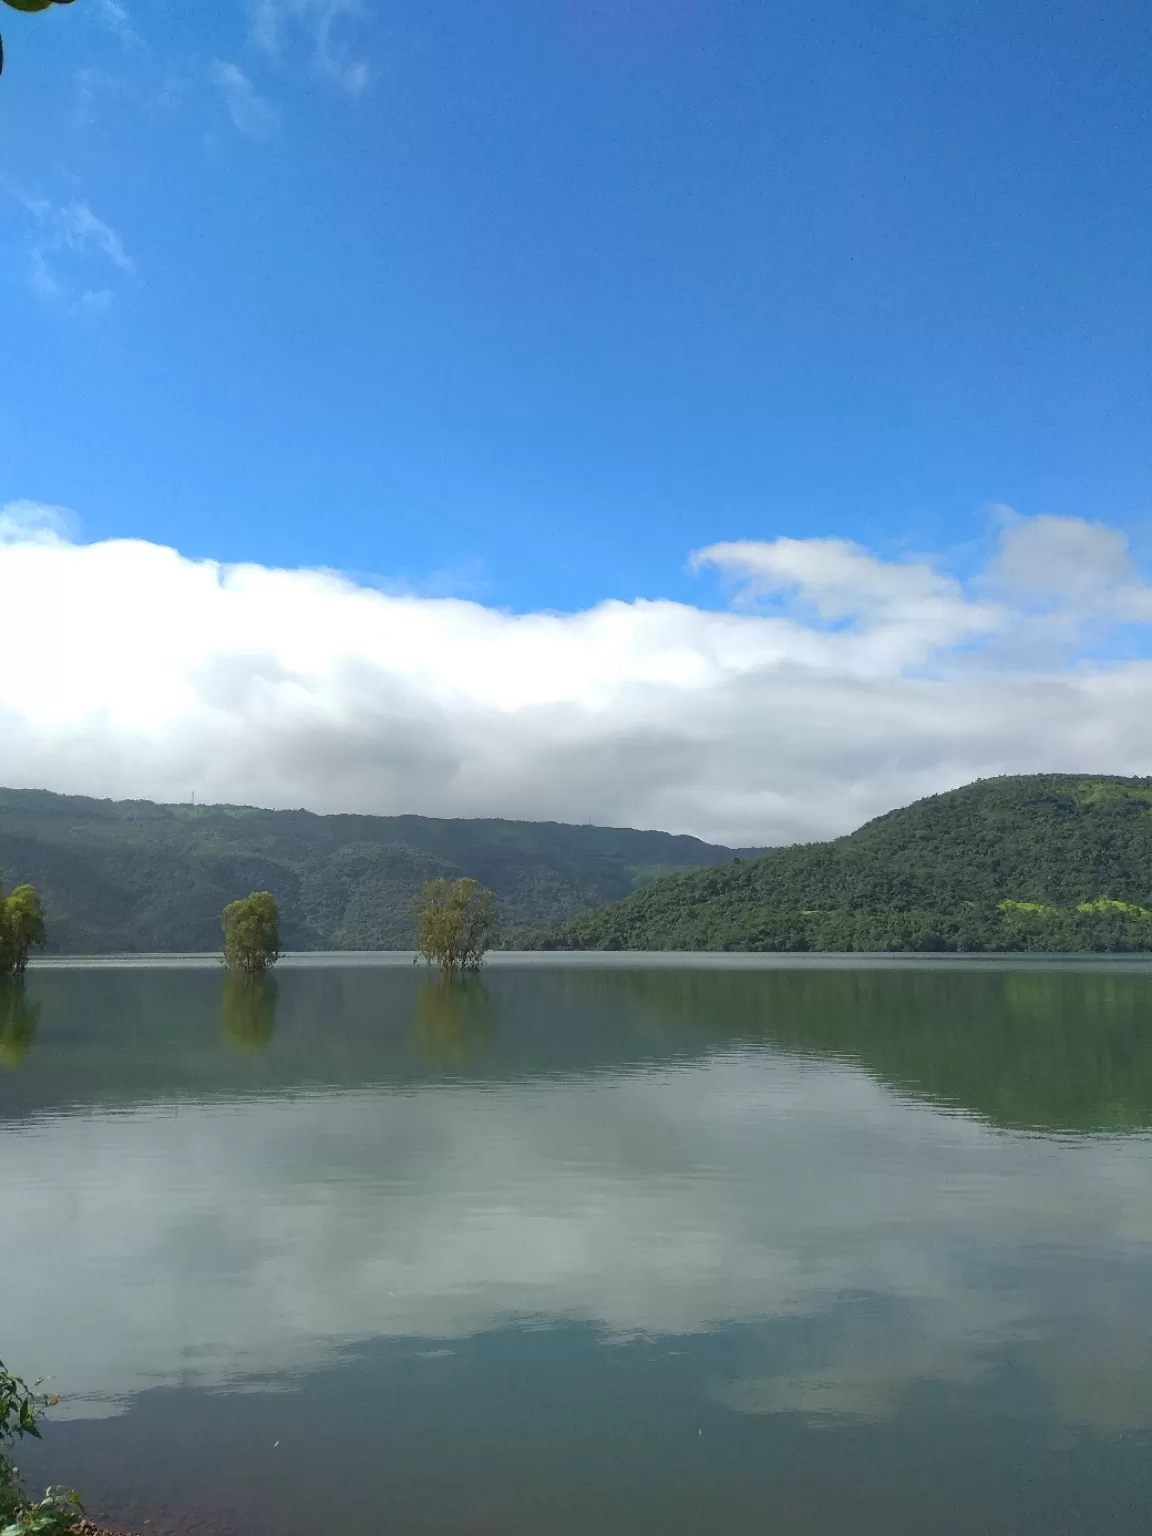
<point>59,1510</point>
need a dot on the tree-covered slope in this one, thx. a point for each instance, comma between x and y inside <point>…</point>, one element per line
<point>131,875</point>
<point>1045,862</point>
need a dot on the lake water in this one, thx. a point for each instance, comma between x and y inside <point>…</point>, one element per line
<point>587,1247</point>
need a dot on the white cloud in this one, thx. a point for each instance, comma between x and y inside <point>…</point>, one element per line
<point>323,22</point>
<point>95,301</point>
<point>249,111</point>
<point>78,229</point>
<point>32,523</point>
<point>114,16</point>
<point>1062,555</point>
<point>40,279</point>
<point>900,605</point>
<point>70,241</point>
<point>1077,569</point>
<point>880,682</point>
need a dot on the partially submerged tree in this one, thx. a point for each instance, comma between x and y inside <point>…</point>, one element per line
<point>25,914</point>
<point>251,933</point>
<point>21,928</point>
<point>456,924</point>
<point>29,5</point>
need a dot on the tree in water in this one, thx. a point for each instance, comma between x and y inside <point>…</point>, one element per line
<point>248,1012</point>
<point>251,933</point>
<point>456,924</point>
<point>21,928</point>
<point>29,5</point>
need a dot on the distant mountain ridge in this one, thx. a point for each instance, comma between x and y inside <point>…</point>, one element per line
<point>1048,862</point>
<point>138,876</point>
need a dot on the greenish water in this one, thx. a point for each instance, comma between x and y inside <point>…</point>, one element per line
<point>619,1247</point>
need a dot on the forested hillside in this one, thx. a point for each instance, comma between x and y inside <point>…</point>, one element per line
<point>132,875</point>
<point>1047,862</point>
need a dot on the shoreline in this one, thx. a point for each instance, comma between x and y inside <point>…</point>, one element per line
<point>165,1523</point>
<point>625,959</point>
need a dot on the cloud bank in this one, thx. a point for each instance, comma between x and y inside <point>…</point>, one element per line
<point>835,686</point>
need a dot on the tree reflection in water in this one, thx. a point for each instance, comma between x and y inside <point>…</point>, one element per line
<point>248,1012</point>
<point>18,1020</point>
<point>453,1021</point>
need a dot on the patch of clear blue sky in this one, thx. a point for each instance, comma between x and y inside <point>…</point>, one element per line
<point>576,286</point>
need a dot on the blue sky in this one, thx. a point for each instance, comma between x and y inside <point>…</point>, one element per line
<point>534,298</point>
<point>831,323</point>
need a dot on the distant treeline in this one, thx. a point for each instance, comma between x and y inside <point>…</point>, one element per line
<point>131,875</point>
<point>1053,930</point>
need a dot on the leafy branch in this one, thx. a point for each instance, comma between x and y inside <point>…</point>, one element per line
<point>20,1407</point>
<point>29,6</point>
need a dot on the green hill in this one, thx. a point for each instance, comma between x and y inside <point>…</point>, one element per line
<point>1055,862</point>
<point>134,876</point>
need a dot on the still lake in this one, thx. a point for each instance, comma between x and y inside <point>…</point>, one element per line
<point>588,1246</point>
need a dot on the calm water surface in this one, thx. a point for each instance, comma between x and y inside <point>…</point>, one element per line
<point>632,1249</point>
